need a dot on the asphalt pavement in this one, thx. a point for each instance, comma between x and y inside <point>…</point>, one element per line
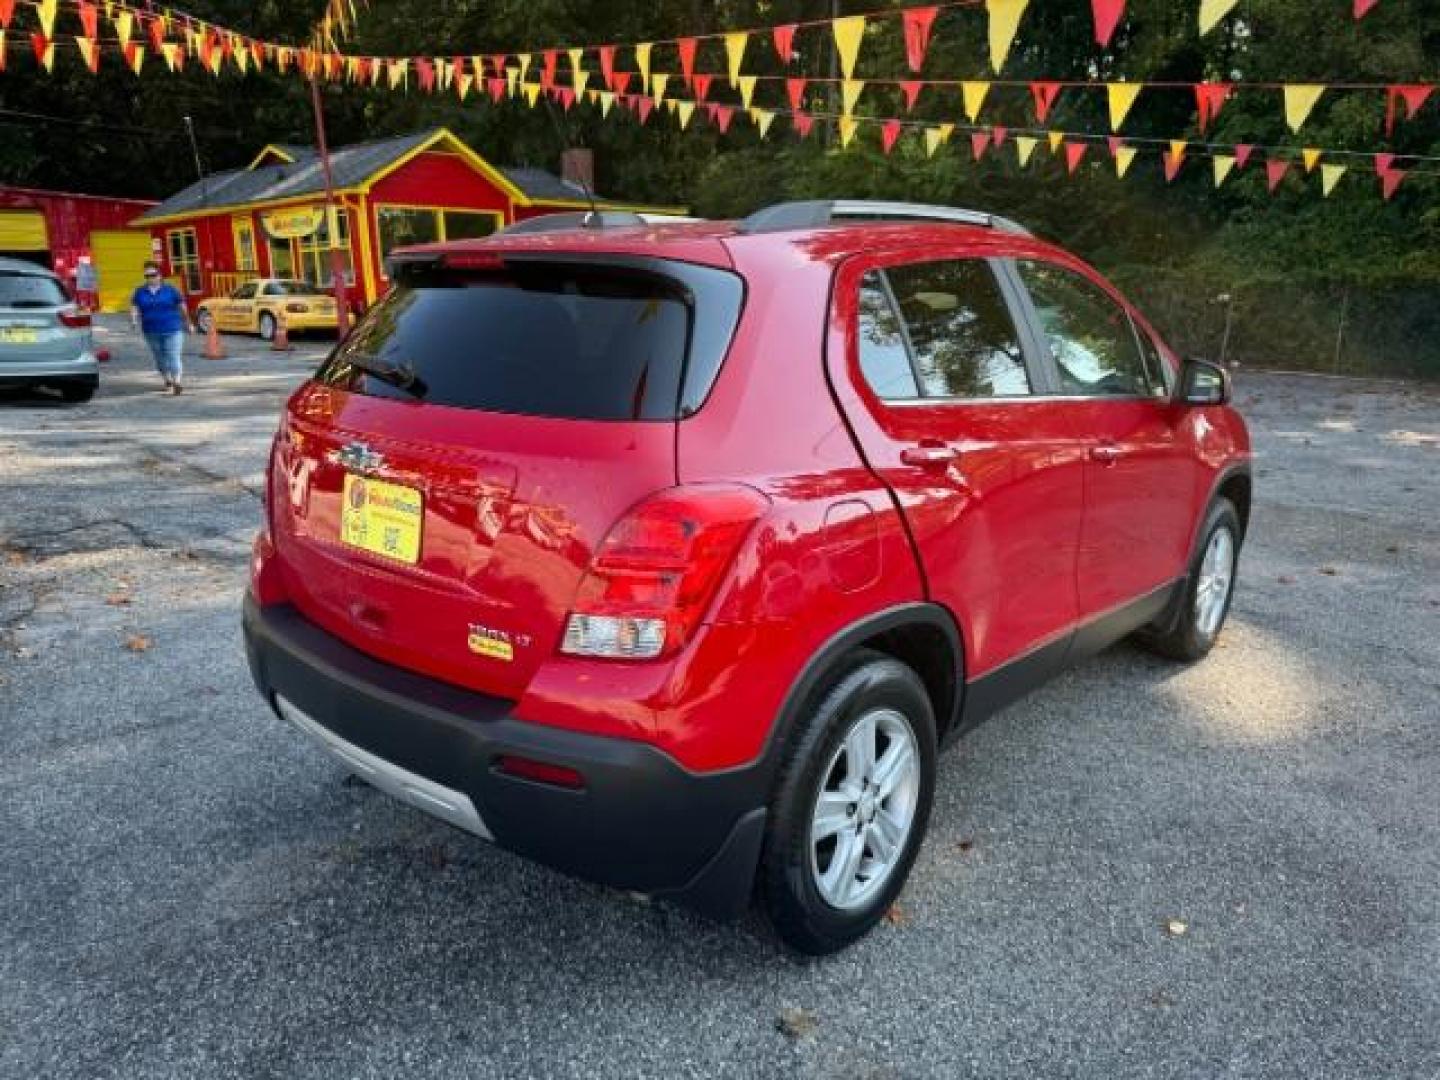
<point>1227,870</point>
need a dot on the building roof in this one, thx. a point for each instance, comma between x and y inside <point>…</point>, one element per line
<point>269,180</point>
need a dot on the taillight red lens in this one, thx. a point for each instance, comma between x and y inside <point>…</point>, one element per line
<point>540,772</point>
<point>75,318</point>
<point>297,309</point>
<point>654,575</point>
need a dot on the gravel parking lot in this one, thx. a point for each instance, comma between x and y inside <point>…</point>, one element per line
<point>1141,870</point>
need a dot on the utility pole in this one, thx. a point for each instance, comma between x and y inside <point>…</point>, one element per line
<point>204,202</point>
<point>332,216</point>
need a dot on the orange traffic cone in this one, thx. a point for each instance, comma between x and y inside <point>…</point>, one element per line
<point>281,341</point>
<point>214,348</point>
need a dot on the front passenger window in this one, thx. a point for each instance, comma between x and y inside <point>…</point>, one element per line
<point>1090,336</point>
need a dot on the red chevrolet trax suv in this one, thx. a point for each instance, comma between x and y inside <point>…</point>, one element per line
<point>670,555</point>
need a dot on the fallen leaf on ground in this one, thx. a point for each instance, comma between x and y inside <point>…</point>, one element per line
<point>796,1023</point>
<point>14,558</point>
<point>1329,571</point>
<point>118,599</point>
<point>964,846</point>
<point>137,643</point>
<point>1176,928</point>
<point>895,915</point>
<point>1285,579</point>
<point>1393,549</point>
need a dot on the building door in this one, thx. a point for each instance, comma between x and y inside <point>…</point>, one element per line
<point>23,235</point>
<point>119,257</point>
<point>282,258</point>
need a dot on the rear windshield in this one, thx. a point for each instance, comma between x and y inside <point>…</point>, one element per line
<point>293,288</point>
<point>570,341</point>
<point>30,291</point>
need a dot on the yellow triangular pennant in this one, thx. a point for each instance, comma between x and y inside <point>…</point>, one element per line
<point>89,51</point>
<point>848,33</point>
<point>974,94</point>
<point>1004,22</point>
<point>850,94</point>
<point>577,60</point>
<point>465,81</point>
<point>1122,100</point>
<point>524,59</point>
<point>642,60</point>
<point>582,80</point>
<point>137,58</point>
<point>1025,148</point>
<point>46,9</point>
<point>848,127</point>
<point>1124,158</point>
<point>1300,102</point>
<point>607,102</point>
<point>1223,164</point>
<point>124,27</point>
<point>684,110</point>
<point>747,89</point>
<point>936,137</point>
<point>1177,149</point>
<point>512,81</point>
<point>1212,11</point>
<point>1056,138</point>
<point>1330,176</point>
<point>658,84</point>
<point>170,51</point>
<point>735,53</point>
<point>532,93</point>
<point>1311,157</point>
<point>763,118</point>
<point>399,73</point>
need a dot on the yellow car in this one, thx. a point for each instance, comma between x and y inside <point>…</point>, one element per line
<point>258,306</point>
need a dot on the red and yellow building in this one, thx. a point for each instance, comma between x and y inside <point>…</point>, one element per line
<point>269,218</point>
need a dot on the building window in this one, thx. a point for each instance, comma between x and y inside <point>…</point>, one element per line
<point>185,258</point>
<point>244,245</point>
<point>401,226</point>
<point>282,258</point>
<point>315,251</point>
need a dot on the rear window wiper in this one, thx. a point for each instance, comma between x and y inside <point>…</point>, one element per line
<point>401,375</point>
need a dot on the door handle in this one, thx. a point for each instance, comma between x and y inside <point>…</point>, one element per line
<point>1105,455</point>
<point>928,457</point>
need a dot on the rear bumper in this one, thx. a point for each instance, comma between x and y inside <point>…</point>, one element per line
<point>83,366</point>
<point>642,822</point>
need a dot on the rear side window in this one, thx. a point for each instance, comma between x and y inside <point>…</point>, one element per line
<point>1090,336</point>
<point>576,342</point>
<point>30,291</point>
<point>952,337</point>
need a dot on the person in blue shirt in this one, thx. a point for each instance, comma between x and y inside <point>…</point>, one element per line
<point>158,310</point>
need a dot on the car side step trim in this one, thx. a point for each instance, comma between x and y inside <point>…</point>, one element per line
<point>434,799</point>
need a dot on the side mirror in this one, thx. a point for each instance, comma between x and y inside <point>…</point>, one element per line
<point>1204,383</point>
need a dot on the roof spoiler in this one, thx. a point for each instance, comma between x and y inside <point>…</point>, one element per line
<point>817,213</point>
<point>582,219</point>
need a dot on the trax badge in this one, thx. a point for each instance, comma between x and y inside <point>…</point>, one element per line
<point>492,643</point>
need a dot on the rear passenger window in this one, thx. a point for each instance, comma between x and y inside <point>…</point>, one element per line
<point>1096,351</point>
<point>884,359</point>
<point>954,332</point>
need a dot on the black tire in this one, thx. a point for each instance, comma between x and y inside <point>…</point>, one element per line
<point>79,391</point>
<point>267,326</point>
<point>1185,639</point>
<point>204,320</point>
<point>788,892</point>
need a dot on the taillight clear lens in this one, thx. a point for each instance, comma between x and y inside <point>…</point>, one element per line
<point>75,318</point>
<point>654,575</point>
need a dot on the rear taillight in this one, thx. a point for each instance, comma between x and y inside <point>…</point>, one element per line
<point>654,576</point>
<point>297,309</point>
<point>75,319</point>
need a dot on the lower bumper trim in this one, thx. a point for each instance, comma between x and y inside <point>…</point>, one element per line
<point>400,783</point>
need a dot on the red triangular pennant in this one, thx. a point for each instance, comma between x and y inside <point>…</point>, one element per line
<point>7,12</point>
<point>785,42</point>
<point>1074,154</point>
<point>1414,96</point>
<point>89,20</point>
<point>1363,7</point>
<point>607,65</point>
<point>702,86</point>
<point>157,32</point>
<point>41,44</point>
<point>567,97</point>
<point>1115,143</point>
<point>889,135</point>
<point>803,122</point>
<point>1044,94</point>
<point>1107,17</point>
<point>496,88</point>
<point>1390,181</point>
<point>723,115</point>
<point>547,73</point>
<point>497,65</point>
<point>918,22</point>
<point>425,71</point>
<point>998,135</point>
<point>1242,155</point>
<point>687,47</point>
<point>644,105</point>
<point>1275,172</point>
<point>911,88</point>
<point>979,143</point>
<point>796,90</point>
<point>622,82</point>
<point>1209,97</point>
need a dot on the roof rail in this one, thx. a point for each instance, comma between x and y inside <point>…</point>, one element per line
<point>817,213</point>
<point>582,219</point>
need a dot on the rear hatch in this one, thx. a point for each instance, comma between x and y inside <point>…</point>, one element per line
<point>442,483</point>
<point>31,328</point>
